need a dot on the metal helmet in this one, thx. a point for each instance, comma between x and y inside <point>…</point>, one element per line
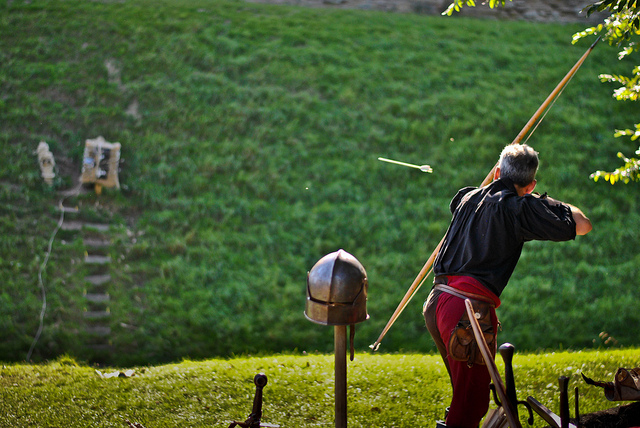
<point>337,290</point>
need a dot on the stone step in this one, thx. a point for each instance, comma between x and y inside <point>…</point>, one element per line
<point>95,315</point>
<point>99,330</point>
<point>97,297</point>
<point>97,280</point>
<point>72,225</point>
<point>72,210</point>
<point>101,227</point>
<point>102,347</point>
<point>128,326</point>
<point>80,225</point>
<point>96,260</point>
<point>96,243</point>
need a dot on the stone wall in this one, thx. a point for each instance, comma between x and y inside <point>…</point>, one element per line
<point>563,11</point>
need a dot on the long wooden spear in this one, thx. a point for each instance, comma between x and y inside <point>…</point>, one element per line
<point>426,269</point>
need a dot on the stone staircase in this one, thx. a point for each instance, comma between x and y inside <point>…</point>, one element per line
<point>96,301</point>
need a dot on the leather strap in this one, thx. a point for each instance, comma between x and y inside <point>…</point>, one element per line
<point>464,294</point>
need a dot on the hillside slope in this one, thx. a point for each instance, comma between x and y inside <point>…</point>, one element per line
<point>250,135</point>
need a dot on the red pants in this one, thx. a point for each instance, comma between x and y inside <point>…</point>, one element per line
<point>470,400</point>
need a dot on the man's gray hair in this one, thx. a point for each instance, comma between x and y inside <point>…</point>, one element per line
<point>519,163</point>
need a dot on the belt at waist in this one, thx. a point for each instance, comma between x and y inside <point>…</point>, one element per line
<point>464,294</point>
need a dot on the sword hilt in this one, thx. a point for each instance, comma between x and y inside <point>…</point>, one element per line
<point>256,413</point>
<point>253,421</point>
<point>506,351</point>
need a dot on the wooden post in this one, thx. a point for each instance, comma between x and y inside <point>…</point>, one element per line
<point>340,344</point>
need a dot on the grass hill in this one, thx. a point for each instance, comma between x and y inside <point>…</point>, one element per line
<point>250,135</point>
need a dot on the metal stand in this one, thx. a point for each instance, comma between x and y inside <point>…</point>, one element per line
<point>340,344</point>
<point>337,295</point>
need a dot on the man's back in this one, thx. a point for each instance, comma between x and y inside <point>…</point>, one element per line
<point>489,227</point>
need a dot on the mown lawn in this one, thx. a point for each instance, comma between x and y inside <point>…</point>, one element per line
<point>384,390</point>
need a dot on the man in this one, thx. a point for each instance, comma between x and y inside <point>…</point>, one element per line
<point>478,255</point>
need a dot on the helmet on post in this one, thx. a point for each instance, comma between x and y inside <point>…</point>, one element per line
<point>337,290</point>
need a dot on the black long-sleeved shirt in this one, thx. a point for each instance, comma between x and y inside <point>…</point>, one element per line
<point>489,228</point>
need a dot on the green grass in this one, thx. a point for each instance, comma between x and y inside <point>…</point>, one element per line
<point>254,153</point>
<point>384,390</point>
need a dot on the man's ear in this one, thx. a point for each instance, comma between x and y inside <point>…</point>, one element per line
<point>529,188</point>
<point>496,174</point>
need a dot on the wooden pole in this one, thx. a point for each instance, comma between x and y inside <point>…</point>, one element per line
<point>426,269</point>
<point>340,345</point>
<point>512,416</point>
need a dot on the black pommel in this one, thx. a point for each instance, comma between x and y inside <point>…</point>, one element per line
<point>507,350</point>
<point>260,380</point>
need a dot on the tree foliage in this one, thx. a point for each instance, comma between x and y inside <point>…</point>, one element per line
<point>626,173</point>
<point>457,5</point>
<point>622,29</point>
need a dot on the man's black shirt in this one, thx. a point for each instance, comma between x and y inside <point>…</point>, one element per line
<point>489,227</point>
